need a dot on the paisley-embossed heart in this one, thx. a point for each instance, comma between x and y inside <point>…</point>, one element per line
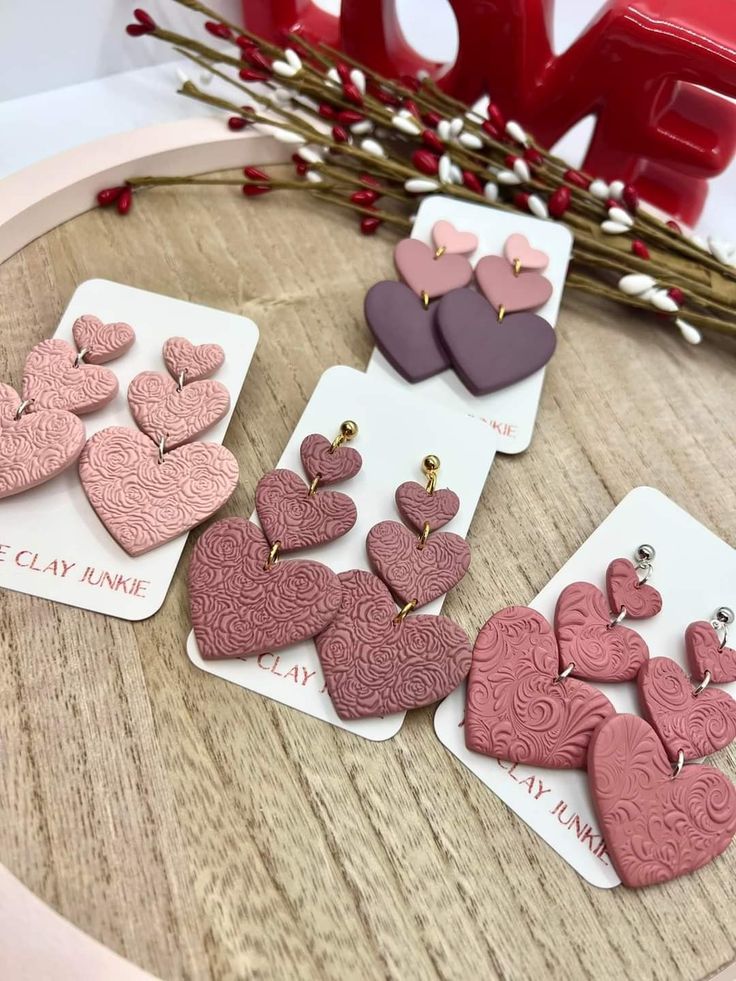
<point>144,503</point>
<point>518,249</point>
<point>423,273</point>
<point>502,288</point>
<point>36,447</point>
<point>374,666</point>
<point>696,724</point>
<point>704,653</point>
<point>656,826</point>
<point>320,460</point>
<point>240,608</point>
<point>446,236</point>
<point>297,519</point>
<point>404,331</point>
<point>624,589</point>
<point>101,342</point>
<point>160,409</point>
<point>417,506</point>
<point>515,709</point>
<point>586,638</point>
<point>413,573</point>
<point>53,380</point>
<point>486,353</point>
<point>193,361</point>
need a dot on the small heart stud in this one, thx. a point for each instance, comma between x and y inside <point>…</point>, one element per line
<point>445,236</point>
<point>518,249</point>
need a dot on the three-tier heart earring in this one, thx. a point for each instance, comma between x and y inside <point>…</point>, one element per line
<point>150,485</point>
<point>593,643</point>
<point>401,315</point>
<point>377,659</point>
<point>244,599</point>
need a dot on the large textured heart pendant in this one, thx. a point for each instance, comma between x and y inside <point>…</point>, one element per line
<point>705,654</point>
<point>696,725</point>
<point>417,506</point>
<point>144,503</point>
<point>190,362</point>
<point>515,708</point>
<point>626,591</point>
<point>424,273</point>
<point>599,651</point>
<point>375,666</point>
<point>35,447</point>
<point>656,826</point>
<point>487,353</point>
<point>54,379</point>
<point>101,342</point>
<point>241,606</point>
<point>413,573</point>
<point>503,288</point>
<point>296,519</point>
<point>162,410</point>
<point>404,331</point>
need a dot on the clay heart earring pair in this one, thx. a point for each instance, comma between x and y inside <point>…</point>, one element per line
<point>150,486</point>
<point>244,599</point>
<point>377,659</point>
<point>40,434</point>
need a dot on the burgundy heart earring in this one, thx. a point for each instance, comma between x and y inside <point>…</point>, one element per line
<point>401,315</point>
<point>150,486</point>
<point>592,641</point>
<point>490,342</point>
<point>378,659</point>
<point>244,599</point>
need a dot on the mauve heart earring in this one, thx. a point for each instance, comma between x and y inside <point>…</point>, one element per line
<point>707,654</point>
<point>376,659</point>
<point>244,599</point>
<point>593,643</point>
<point>401,315</point>
<point>151,486</point>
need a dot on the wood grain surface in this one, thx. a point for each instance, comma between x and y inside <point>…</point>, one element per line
<point>205,832</point>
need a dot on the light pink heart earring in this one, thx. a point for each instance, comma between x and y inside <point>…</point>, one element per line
<point>151,486</point>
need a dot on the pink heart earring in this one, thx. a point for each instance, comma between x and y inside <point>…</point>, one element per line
<point>151,486</point>
<point>593,643</point>
<point>707,654</point>
<point>244,599</point>
<point>376,659</point>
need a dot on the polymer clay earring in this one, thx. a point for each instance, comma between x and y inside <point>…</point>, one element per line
<point>491,339</point>
<point>150,486</point>
<point>705,645</point>
<point>593,643</point>
<point>377,659</point>
<point>401,316</point>
<point>244,599</point>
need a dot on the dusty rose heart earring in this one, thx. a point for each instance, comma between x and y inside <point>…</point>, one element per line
<point>707,654</point>
<point>593,643</point>
<point>376,659</point>
<point>491,342</point>
<point>244,599</point>
<point>151,486</point>
<point>401,315</point>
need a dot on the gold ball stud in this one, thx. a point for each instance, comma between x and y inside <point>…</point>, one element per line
<point>349,429</point>
<point>431,463</point>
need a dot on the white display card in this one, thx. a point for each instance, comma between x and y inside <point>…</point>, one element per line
<point>512,411</point>
<point>696,573</point>
<point>396,431</point>
<point>52,544</point>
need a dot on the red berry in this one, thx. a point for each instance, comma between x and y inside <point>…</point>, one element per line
<point>431,118</point>
<point>144,18</point>
<point>352,93</point>
<point>496,116</point>
<point>676,294</point>
<point>491,129</point>
<point>256,174</point>
<point>301,167</point>
<point>244,42</point>
<point>411,105</point>
<point>559,202</point>
<point>125,200</point>
<point>410,82</point>
<point>254,190</point>
<point>639,249</point>
<point>509,160</point>
<point>578,179</point>
<point>533,156</point>
<point>425,162</point>
<point>521,200</point>
<point>674,226</point>
<point>349,116</point>
<point>471,182</point>
<point>257,58</point>
<point>364,197</point>
<point>630,198</point>
<point>339,135</point>
<point>218,30</point>
<point>369,225</point>
<point>251,75</point>
<point>433,141</point>
<point>370,179</point>
<point>343,71</point>
<point>136,30</point>
<point>237,123</point>
<point>325,111</point>
<point>612,203</point>
<point>109,195</point>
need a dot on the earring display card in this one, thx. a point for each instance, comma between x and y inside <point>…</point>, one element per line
<point>52,544</point>
<point>696,573</point>
<point>510,412</point>
<point>396,431</point>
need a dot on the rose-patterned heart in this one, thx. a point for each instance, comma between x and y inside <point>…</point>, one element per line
<point>417,574</point>
<point>191,361</point>
<point>417,505</point>
<point>625,590</point>
<point>656,826</point>
<point>445,236</point>
<point>404,331</point>
<point>694,724</point>
<point>296,519</point>
<point>35,447</point>
<point>161,409</point>
<point>418,266</point>
<point>145,502</point>
<point>706,653</point>
<point>518,250</point>
<point>516,709</point>
<point>242,606</point>
<point>374,665</point>
<point>586,638</point>
<point>101,342</point>
<point>54,379</point>
<point>503,288</point>
<point>329,465</point>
